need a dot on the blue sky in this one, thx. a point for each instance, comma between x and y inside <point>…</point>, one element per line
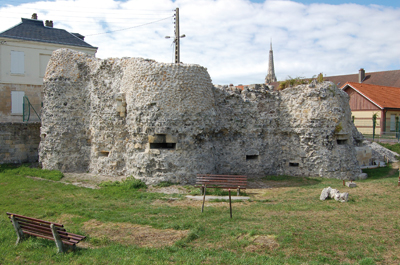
<point>232,37</point>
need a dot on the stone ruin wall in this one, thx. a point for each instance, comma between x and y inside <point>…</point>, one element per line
<point>167,122</point>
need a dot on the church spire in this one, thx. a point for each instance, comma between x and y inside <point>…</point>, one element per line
<point>271,71</point>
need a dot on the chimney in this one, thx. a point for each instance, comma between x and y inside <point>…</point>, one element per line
<point>49,23</point>
<point>361,75</point>
<point>34,16</point>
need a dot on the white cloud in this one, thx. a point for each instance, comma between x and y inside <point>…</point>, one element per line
<point>231,37</point>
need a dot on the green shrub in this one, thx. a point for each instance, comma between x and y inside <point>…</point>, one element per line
<point>109,183</point>
<point>290,82</point>
<point>338,128</point>
<point>320,78</point>
<point>128,183</point>
<point>25,170</point>
<point>163,184</point>
<point>132,183</point>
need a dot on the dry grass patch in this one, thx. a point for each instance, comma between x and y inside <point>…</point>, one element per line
<point>173,189</point>
<point>130,234</point>
<point>260,243</point>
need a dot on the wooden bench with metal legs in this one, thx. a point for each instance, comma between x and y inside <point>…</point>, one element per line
<point>26,226</point>
<point>238,182</point>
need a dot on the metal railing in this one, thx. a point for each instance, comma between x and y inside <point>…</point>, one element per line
<point>372,130</point>
<point>26,114</point>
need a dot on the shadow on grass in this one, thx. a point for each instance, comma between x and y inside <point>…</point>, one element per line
<point>30,169</point>
<point>381,173</point>
<point>289,181</point>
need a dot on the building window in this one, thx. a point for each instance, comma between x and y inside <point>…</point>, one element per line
<point>392,122</point>
<point>17,62</point>
<point>17,99</point>
<point>44,60</point>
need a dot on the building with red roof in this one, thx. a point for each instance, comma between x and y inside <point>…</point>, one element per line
<point>369,99</point>
<point>383,78</point>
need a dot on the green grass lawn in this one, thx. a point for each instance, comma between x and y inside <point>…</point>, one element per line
<point>287,224</point>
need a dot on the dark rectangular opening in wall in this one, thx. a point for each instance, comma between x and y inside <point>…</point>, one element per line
<point>104,153</point>
<point>341,142</point>
<point>293,164</point>
<point>162,145</point>
<point>251,157</point>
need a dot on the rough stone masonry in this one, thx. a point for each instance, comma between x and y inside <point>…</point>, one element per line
<point>167,122</point>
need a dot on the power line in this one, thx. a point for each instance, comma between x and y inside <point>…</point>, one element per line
<point>107,32</point>
<point>117,11</point>
<point>130,27</point>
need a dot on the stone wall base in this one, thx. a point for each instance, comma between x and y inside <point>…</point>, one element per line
<point>19,142</point>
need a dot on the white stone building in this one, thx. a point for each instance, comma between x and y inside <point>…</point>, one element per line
<point>25,50</point>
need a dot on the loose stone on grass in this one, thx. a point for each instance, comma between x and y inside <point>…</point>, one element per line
<point>334,194</point>
<point>351,184</point>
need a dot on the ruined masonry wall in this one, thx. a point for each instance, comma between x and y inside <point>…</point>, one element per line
<point>19,142</point>
<point>167,122</point>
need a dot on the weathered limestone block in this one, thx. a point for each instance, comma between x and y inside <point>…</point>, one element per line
<point>333,193</point>
<point>159,121</point>
<point>342,197</point>
<point>329,193</point>
<point>325,193</point>
<point>351,184</point>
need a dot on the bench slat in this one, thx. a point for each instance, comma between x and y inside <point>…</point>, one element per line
<point>46,229</point>
<point>40,226</point>
<point>47,237</point>
<point>220,186</point>
<point>228,179</point>
<point>233,176</point>
<point>30,222</point>
<point>223,177</point>
<point>211,177</point>
<point>45,232</point>
<point>33,219</point>
<point>222,181</point>
<point>74,236</point>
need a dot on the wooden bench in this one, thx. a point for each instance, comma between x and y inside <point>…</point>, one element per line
<point>221,181</point>
<point>26,226</point>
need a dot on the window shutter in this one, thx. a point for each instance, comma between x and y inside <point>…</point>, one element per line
<point>17,99</point>
<point>17,62</point>
<point>392,122</point>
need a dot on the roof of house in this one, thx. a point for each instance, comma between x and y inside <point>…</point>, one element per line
<point>384,78</point>
<point>34,30</point>
<point>381,96</point>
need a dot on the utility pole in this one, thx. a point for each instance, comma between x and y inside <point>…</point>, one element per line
<point>177,48</point>
<point>177,37</point>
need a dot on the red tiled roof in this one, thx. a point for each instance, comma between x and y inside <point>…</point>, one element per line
<point>384,78</point>
<point>382,96</point>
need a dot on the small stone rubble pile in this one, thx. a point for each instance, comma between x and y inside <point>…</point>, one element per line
<point>379,152</point>
<point>329,193</point>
